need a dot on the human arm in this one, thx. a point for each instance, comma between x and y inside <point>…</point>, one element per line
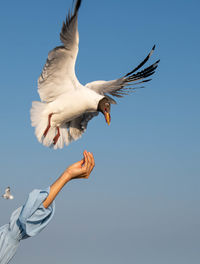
<point>78,170</point>
<point>31,218</point>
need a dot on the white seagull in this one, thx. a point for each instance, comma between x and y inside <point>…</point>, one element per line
<point>66,105</point>
<point>7,195</point>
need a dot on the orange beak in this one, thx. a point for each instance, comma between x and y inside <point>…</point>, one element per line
<point>107,117</point>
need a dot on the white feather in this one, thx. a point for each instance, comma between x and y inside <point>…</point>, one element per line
<point>39,119</point>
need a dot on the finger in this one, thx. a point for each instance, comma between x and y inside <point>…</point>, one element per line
<point>78,164</point>
<point>82,162</point>
<point>88,165</point>
<point>83,158</point>
<point>86,160</point>
<point>91,162</point>
<point>89,158</point>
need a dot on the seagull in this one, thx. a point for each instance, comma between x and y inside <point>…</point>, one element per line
<point>7,195</point>
<point>66,105</point>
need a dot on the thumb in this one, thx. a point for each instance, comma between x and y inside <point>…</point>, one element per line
<point>80,162</point>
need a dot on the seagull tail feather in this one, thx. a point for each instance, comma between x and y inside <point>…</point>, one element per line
<point>39,120</point>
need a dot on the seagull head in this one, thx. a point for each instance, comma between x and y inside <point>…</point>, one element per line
<point>104,108</point>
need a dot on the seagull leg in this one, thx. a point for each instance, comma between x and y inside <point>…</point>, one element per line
<point>55,140</point>
<point>49,125</point>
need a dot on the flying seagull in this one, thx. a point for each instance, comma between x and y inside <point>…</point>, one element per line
<point>66,105</point>
<point>7,195</point>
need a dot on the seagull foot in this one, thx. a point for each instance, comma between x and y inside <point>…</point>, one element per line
<point>49,125</point>
<point>55,140</point>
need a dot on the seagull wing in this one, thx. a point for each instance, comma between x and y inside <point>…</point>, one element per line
<point>58,75</point>
<point>122,86</point>
<point>79,125</point>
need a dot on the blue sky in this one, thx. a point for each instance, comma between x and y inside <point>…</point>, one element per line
<point>141,204</point>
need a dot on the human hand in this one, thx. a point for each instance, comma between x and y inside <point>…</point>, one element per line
<point>82,168</point>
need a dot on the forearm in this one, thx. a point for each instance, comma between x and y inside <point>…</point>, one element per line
<point>56,188</point>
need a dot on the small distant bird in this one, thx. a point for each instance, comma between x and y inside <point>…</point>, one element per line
<point>7,194</point>
<point>67,106</point>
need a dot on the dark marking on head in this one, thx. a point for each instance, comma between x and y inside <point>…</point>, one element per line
<point>104,105</point>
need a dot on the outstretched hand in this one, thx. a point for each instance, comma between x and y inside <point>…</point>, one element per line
<point>82,168</point>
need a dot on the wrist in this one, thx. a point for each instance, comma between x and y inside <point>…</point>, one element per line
<point>66,176</point>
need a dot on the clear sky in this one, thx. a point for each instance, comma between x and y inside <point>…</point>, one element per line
<point>141,204</point>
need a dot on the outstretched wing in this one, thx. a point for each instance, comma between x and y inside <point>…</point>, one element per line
<point>79,125</point>
<point>121,86</point>
<point>59,71</point>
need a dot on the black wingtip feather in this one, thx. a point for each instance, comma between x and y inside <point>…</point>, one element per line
<point>78,4</point>
<point>147,80</point>
<point>142,74</point>
<point>142,63</point>
<point>70,17</point>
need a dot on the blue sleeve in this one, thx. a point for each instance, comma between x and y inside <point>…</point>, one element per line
<point>34,217</point>
<point>25,221</point>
